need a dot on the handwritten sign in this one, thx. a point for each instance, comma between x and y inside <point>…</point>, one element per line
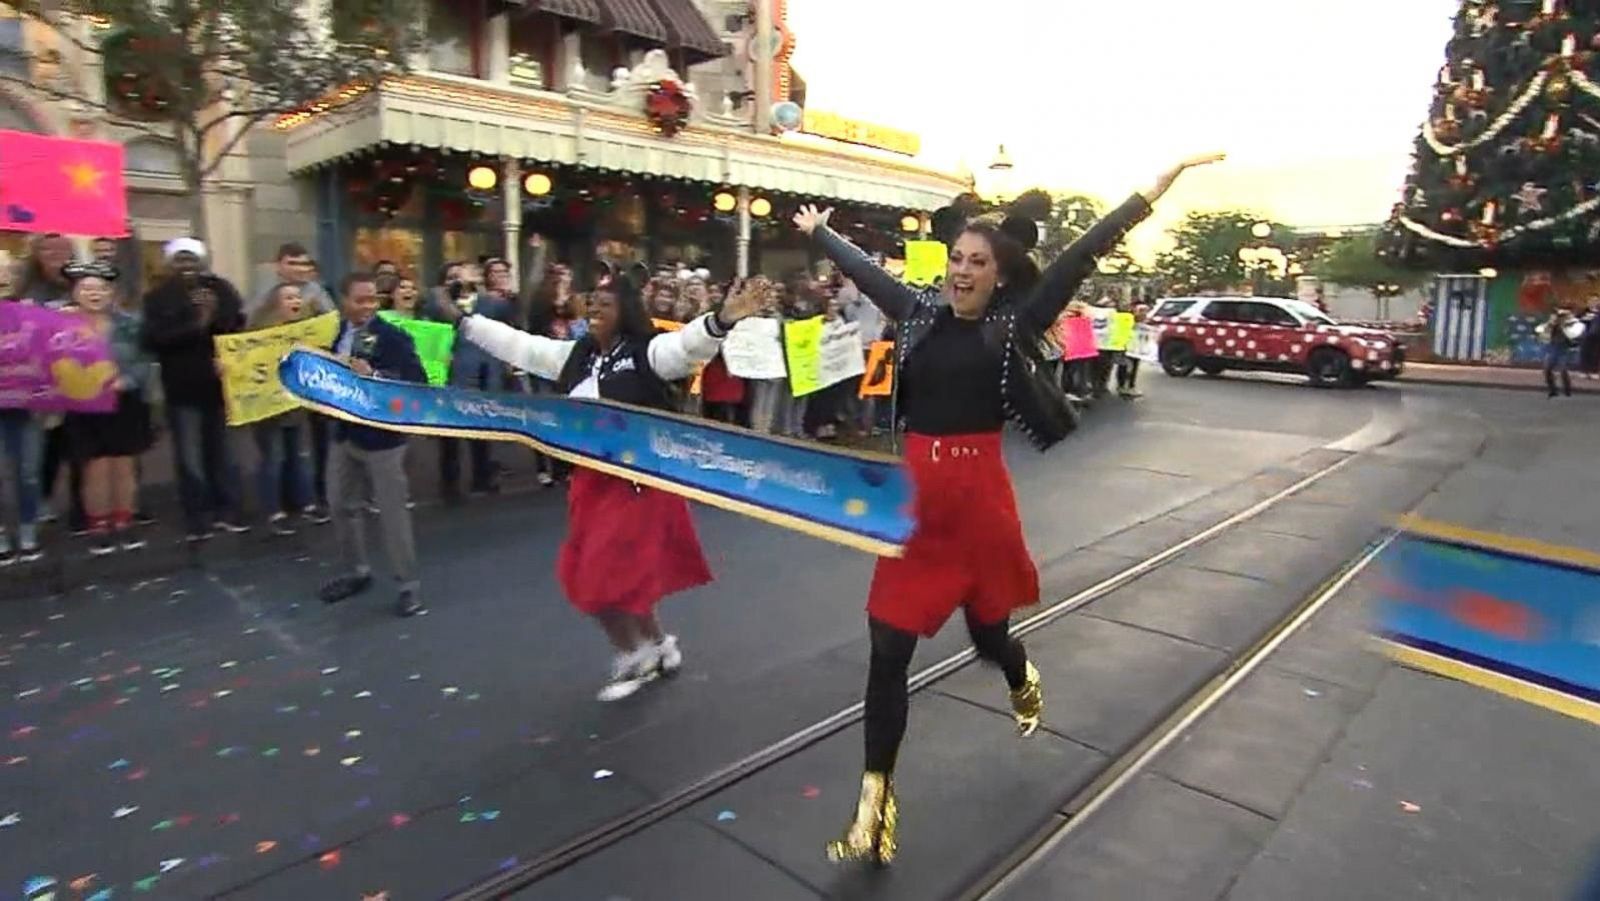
<point>878,378</point>
<point>925,262</point>
<point>1146,343</point>
<point>53,362</point>
<point>435,342</point>
<point>1076,335</point>
<point>754,349</point>
<point>62,185</point>
<point>821,354</point>
<point>249,362</point>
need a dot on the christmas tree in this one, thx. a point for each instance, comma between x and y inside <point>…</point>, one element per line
<point>1506,170</point>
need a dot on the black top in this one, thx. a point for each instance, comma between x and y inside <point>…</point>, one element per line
<point>182,344</point>
<point>392,355</point>
<point>952,384</point>
<point>625,373</point>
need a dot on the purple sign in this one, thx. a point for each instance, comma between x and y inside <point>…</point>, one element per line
<point>53,362</point>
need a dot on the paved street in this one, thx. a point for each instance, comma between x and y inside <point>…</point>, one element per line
<point>218,729</point>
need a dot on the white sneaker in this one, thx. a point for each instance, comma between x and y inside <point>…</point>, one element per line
<point>668,658</point>
<point>629,673</point>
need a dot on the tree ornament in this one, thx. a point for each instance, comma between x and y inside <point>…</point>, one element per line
<point>1559,88</point>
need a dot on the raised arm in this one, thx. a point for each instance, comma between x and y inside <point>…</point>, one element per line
<point>1061,280</point>
<point>536,354</point>
<point>676,355</point>
<point>897,300</point>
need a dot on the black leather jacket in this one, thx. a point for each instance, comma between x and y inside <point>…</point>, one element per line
<point>1013,326</point>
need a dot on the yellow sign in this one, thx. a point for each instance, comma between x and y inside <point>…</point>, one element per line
<point>1122,326</point>
<point>838,128</point>
<point>249,364</point>
<point>925,262</point>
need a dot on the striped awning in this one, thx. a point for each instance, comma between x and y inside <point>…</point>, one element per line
<point>637,18</point>
<point>690,32</point>
<point>587,11</point>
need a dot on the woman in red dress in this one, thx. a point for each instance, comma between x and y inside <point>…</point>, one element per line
<point>967,363</point>
<point>622,358</point>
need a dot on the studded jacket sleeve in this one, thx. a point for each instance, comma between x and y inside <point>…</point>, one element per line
<point>1062,278</point>
<point>897,300</point>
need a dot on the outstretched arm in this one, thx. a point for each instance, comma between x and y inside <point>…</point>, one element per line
<point>676,355</point>
<point>1062,278</point>
<point>895,299</point>
<point>541,356</point>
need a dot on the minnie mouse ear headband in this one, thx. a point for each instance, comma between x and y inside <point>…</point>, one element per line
<point>73,272</point>
<point>1019,220</point>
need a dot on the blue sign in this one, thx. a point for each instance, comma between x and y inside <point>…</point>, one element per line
<point>856,499</point>
<point>1512,613</point>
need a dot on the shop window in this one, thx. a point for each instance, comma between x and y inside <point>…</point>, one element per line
<point>455,30</point>
<point>533,51</point>
<point>151,156</point>
<point>401,245</point>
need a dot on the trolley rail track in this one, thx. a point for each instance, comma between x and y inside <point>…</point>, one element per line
<point>1100,788</point>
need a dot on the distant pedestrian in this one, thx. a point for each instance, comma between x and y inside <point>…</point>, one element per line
<point>1561,333</point>
<point>362,456</point>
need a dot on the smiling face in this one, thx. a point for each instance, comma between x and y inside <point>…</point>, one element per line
<point>498,274</point>
<point>360,303</point>
<point>290,302</point>
<point>605,314</point>
<point>92,294</point>
<point>973,275</point>
<point>405,295</point>
<point>186,265</point>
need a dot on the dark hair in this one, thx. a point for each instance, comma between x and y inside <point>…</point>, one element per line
<point>291,249</point>
<point>633,321</point>
<point>278,289</point>
<point>542,312</point>
<point>1018,272</point>
<point>444,271</point>
<point>352,279</point>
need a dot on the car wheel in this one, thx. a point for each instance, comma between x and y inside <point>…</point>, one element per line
<point>1178,359</point>
<point>1212,368</point>
<point>1329,368</point>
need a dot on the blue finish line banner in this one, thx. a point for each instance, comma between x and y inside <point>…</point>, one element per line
<point>855,499</point>
<point>1514,608</point>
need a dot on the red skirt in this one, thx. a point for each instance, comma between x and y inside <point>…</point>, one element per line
<point>967,550</point>
<point>627,546</point>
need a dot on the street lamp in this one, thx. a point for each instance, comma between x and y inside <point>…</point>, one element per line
<point>1000,175</point>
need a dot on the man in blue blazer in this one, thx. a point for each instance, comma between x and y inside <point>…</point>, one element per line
<point>362,456</point>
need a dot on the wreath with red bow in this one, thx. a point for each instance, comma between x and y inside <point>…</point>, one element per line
<point>667,107</point>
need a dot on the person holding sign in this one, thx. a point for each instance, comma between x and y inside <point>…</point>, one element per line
<point>1128,366</point>
<point>106,445</point>
<point>967,362</point>
<point>627,546</point>
<point>281,480</point>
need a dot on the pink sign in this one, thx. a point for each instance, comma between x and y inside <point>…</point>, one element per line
<point>53,362</point>
<point>61,185</point>
<point>1076,334</point>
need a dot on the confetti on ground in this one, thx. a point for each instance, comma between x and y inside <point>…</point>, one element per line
<point>1362,783</point>
<point>118,764</point>
<point>146,884</point>
<point>171,864</point>
<point>450,690</point>
<point>1312,693</point>
<point>138,774</point>
<point>727,816</point>
<point>289,708</point>
<point>469,817</point>
<point>171,686</point>
<point>162,826</point>
<point>329,670</point>
<point>508,863</point>
<point>1409,807</point>
<point>265,847</point>
<point>414,677</point>
<point>10,819</point>
<point>375,896</point>
<point>810,792</point>
<point>350,761</point>
<point>209,860</point>
<point>312,751</point>
<point>399,819</point>
<point>363,694</point>
<point>352,734</point>
<point>269,752</point>
<point>82,883</point>
<point>36,886</point>
<point>23,731</point>
<point>229,664</point>
<point>329,860</point>
<point>102,895</point>
<point>29,693</point>
<point>603,774</point>
<point>122,812</point>
<point>227,819</point>
<point>222,692</point>
<point>16,761</point>
<point>363,802</point>
<point>230,750</point>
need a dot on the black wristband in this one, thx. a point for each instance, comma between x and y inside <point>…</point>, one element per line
<point>715,326</point>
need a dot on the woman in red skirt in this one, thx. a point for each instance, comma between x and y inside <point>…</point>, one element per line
<point>968,361</point>
<point>622,358</point>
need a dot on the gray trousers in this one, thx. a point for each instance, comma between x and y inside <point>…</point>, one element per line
<point>350,471</point>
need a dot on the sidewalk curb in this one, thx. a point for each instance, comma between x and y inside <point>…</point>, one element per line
<point>1480,383</point>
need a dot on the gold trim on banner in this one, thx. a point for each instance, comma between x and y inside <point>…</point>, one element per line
<point>771,517</point>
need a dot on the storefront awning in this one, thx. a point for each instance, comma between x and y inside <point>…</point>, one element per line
<point>637,18</point>
<point>448,114</point>
<point>586,11</point>
<point>690,32</point>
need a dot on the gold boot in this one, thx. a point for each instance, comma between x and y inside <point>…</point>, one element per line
<point>870,835</point>
<point>1027,703</point>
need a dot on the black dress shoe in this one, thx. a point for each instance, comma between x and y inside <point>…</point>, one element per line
<point>409,604</point>
<point>344,587</point>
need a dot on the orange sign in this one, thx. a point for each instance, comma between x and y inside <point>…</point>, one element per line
<point>879,378</point>
<point>838,128</point>
<point>667,325</point>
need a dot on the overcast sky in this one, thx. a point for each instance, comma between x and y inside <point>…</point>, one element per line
<point>1316,101</point>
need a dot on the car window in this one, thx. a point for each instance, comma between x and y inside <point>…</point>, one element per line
<point>1268,314</point>
<point>1170,308</point>
<point>1223,311</point>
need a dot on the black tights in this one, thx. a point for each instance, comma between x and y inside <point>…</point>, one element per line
<point>888,701</point>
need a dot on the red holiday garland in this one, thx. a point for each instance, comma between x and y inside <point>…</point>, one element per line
<point>667,107</point>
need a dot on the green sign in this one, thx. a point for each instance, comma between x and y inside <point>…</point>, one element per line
<point>434,341</point>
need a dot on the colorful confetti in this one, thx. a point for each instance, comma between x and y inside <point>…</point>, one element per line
<point>23,731</point>
<point>352,734</point>
<point>1409,807</point>
<point>329,860</point>
<point>123,812</point>
<point>727,816</point>
<point>146,884</point>
<point>603,774</point>
<point>21,695</point>
<point>10,819</point>
<point>312,751</point>
<point>138,774</point>
<point>265,847</point>
<point>163,826</point>
<point>82,883</point>
<point>171,864</point>
<point>329,670</point>
<point>811,792</point>
<point>399,819</point>
<point>16,761</point>
<point>118,764</point>
<point>363,694</point>
<point>350,761</point>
